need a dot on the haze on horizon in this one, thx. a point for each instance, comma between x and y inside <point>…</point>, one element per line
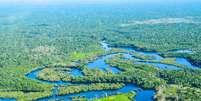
<point>41,2</point>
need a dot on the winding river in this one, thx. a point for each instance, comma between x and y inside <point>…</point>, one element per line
<point>33,75</point>
<point>142,95</point>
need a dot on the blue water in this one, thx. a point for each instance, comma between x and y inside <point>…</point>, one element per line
<point>183,51</point>
<point>54,15</point>
<point>105,46</point>
<point>185,62</point>
<point>100,64</point>
<point>166,66</point>
<point>128,56</point>
<point>151,54</point>
<point>157,57</point>
<point>161,65</point>
<point>33,75</point>
<point>142,95</point>
<point>76,72</point>
<point>103,93</point>
<point>55,90</point>
<point>7,99</point>
<point>146,95</point>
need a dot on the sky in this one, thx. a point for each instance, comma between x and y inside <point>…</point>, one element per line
<point>44,2</point>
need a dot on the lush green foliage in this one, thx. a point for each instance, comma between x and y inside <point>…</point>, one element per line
<point>120,97</point>
<point>91,87</point>
<point>185,77</point>
<point>71,36</point>
<point>178,93</point>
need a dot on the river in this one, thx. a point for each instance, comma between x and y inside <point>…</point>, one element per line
<point>142,95</point>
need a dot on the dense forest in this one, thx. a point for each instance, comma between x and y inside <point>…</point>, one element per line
<point>58,40</point>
